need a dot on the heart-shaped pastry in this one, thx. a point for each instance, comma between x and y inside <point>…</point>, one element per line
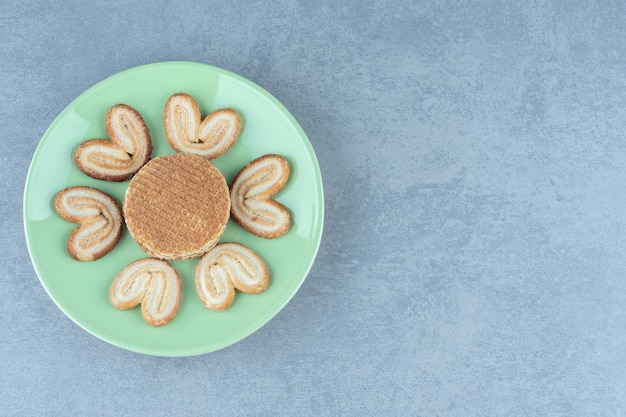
<point>251,192</point>
<point>119,158</point>
<point>226,267</point>
<point>154,284</point>
<point>187,132</point>
<point>100,221</point>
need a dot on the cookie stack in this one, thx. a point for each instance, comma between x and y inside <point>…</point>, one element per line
<point>177,206</point>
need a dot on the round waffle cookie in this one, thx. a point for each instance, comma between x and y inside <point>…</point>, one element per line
<point>177,206</point>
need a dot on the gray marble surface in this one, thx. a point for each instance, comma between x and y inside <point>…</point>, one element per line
<point>474,165</point>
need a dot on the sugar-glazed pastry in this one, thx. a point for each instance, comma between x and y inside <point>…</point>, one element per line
<point>187,132</point>
<point>154,284</point>
<point>251,195</point>
<point>100,221</point>
<point>227,267</point>
<point>119,158</point>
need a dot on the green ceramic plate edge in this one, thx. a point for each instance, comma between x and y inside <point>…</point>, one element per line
<point>303,195</point>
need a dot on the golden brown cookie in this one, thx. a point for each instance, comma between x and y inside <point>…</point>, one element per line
<point>128,150</point>
<point>251,192</point>
<point>100,221</point>
<point>187,132</point>
<point>154,284</point>
<point>177,206</point>
<point>227,267</point>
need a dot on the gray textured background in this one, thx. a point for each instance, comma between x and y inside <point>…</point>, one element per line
<point>473,158</point>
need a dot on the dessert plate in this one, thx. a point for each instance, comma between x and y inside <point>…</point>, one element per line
<point>80,289</point>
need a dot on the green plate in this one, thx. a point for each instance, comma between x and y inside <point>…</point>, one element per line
<point>80,289</point>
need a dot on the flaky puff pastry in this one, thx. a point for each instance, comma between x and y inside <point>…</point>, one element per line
<point>251,195</point>
<point>100,221</point>
<point>154,284</point>
<point>227,267</point>
<point>119,158</point>
<point>187,132</point>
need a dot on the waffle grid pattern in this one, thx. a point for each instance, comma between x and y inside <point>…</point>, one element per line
<point>177,206</point>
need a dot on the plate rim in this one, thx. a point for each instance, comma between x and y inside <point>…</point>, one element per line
<point>277,308</point>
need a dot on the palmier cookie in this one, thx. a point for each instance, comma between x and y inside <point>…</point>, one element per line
<point>226,267</point>
<point>100,221</point>
<point>187,132</point>
<point>251,192</point>
<point>177,206</point>
<point>121,157</point>
<point>154,284</point>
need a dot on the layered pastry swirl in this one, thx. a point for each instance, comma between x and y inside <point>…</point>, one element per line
<point>154,284</point>
<point>100,221</point>
<point>186,131</point>
<point>227,267</point>
<point>119,158</point>
<point>251,195</point>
